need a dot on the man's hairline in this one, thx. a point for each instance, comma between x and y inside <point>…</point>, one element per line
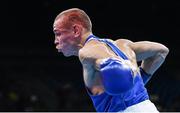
<point>64,15</point>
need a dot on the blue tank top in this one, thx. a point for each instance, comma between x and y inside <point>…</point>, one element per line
<point>109,103</point>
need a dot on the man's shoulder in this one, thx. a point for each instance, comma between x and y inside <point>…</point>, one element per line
<point>92,48</point>
<point>92,52</point>
<point>124,42</point>
<point>86,54</point>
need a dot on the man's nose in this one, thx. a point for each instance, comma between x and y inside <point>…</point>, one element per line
<point>56,41</point>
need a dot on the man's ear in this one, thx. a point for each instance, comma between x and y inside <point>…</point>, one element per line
<point>77,30</point>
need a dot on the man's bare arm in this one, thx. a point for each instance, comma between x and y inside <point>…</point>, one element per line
<point>151,54</point>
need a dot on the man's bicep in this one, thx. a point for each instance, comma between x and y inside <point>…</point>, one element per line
<point>145,49</point>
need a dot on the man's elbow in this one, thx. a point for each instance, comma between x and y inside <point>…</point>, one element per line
<point>164,51</point>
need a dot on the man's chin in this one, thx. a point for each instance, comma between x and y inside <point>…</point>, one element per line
<point>67,55</point>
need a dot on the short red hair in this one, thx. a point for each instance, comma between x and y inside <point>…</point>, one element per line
<point>78,16</point>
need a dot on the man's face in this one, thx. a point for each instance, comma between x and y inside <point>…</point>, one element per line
<point>64,38</point>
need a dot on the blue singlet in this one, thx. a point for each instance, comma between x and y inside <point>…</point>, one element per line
<point>108,103</point>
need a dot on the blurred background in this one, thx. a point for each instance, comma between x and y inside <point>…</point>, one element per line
<point>34,77</point>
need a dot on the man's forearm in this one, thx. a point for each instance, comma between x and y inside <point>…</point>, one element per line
<point>151,64</point>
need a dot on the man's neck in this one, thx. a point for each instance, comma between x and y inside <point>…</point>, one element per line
<point>83,39</point>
